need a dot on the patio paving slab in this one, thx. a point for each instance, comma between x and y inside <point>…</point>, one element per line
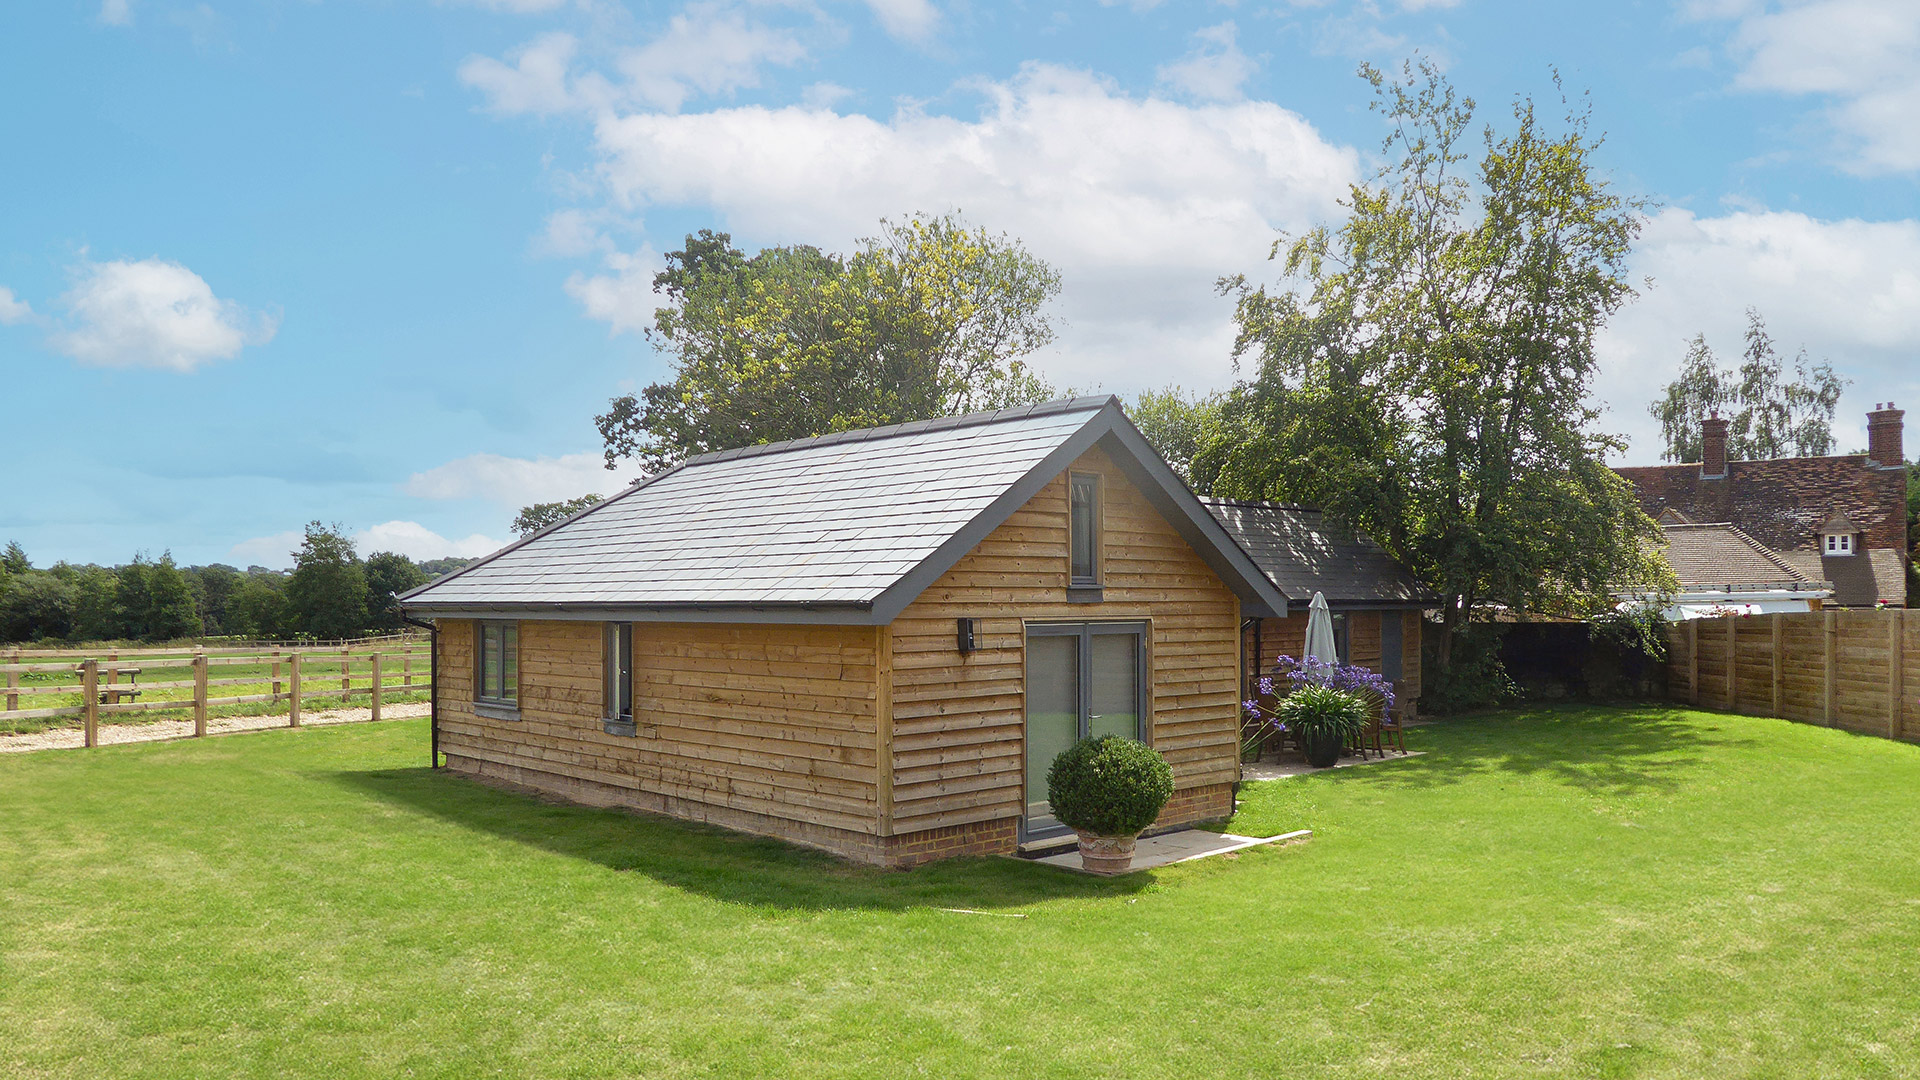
<point>1280,770</point>
<point>1169,848</point>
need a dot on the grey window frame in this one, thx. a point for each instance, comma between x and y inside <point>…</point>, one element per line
<point>1075,579</point>
<point>506,703</point>
<point>617,663</point>
<point>1343,637</point>
<point>1142,629</point>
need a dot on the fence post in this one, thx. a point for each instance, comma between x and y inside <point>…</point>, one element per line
<point>346,684</point>
<point>1896,663</point>
<point>1693,661</point>
<point>293,684</point>
<point>1775,618</point>
<point>199,695</point>
<point>1733,663</point>
<point>90,687</point>
<point>276,674</point>
<point>13,680</point>
<point>376,684</point>
<point>406,665</point>
<point>1829,631</point>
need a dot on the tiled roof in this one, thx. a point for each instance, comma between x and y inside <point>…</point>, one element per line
<point>1721,555</point>
<point>1782,502</point>
<point>1860,580</point>
<point>1303,553</point>
<point>838,521</point>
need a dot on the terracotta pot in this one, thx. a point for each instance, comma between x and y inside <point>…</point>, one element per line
<point>1106,854</point>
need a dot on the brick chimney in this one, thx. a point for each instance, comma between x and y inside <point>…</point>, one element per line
<point>1713,442</point>
<point>1884,442</point>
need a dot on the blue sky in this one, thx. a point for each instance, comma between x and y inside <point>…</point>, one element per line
<point>380,263</point>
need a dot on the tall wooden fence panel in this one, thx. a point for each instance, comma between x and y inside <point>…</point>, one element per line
<point>1857,670</point>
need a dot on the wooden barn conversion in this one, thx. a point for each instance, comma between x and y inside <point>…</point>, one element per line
<point>873,642</point>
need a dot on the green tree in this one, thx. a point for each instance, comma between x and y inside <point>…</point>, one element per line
<point>35,605</point>
<point>154,601</point>
<point>258,606</point>
<point>213,588</point>
<point>540,515</point>
<point>1768,416</point>
<point>1423,375</point>
<point>1180,427</point>
<point>927,319</point>
<point>14,559</point>
<point>96,604</point>
<point>439,568</point>
<point>327,592</point>
<point>388,575</point>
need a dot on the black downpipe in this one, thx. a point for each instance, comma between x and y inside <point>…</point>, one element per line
<point>433,688</point>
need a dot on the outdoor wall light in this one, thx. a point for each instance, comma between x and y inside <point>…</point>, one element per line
<point>967,628</point>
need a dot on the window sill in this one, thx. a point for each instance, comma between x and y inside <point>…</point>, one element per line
<point>626,729</point>
<point>1085,594</point>
<point>495,710</point>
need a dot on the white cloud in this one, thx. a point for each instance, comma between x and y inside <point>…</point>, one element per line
<point>572,233</point>
<point>515,482</point>
<point>517,7</point>
<point>708,48</point>
<point>1860,54</point>
<point>116,12</point>
<point>409,538</point>
<point>909,20</point>
<point>1141,203</point>
<point>623,298</point>
<point>1848,291</point>
<point>1215,70</point>
<point>416,541</point>
<point>154,313</point>
<point>11,309</point>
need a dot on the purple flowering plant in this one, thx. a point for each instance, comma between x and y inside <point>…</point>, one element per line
<point>1262,724</point>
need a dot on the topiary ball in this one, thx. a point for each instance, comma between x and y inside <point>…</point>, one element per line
<point>1109,786</point>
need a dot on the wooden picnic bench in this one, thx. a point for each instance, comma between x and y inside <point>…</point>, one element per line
<point>114,695</point>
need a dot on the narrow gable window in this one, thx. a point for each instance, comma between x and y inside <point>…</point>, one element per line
<point>1084,526</point>
<point>499,682</point>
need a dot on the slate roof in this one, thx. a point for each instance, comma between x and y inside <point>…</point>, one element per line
<point>1302,552</point>
<point>1718,555</point>
<point>841,528</point>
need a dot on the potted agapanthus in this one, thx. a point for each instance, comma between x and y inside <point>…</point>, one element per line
<point>1322,723</point>
<point>1108,790</point>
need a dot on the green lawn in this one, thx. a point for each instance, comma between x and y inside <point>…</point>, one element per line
<point>1578,892</point>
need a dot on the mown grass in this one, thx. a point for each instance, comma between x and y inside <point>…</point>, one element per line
<point>1579,892</point>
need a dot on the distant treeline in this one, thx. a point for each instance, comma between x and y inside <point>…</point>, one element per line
<point>330,593</point>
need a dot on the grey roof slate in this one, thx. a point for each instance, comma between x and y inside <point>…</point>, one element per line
<point>835,521</point>
<point>1303,553</point>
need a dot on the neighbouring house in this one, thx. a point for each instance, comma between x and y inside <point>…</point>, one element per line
<point>874,642</point>
<point>1723,571</point>
<point>1838,521</point>
<point>1377,604</point>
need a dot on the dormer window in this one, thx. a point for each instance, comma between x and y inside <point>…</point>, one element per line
<point>1839,544</point>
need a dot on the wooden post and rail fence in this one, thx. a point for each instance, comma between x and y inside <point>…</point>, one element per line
<point>109,683</point>
<point>1836,668</point>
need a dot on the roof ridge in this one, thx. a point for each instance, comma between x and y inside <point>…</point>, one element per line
<point>1058,406</point>
<point>1261,503</point>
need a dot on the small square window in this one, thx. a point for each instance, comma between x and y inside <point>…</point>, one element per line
<point>1839,544</point>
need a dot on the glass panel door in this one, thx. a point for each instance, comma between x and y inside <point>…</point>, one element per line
<point>1053,716</point>
<point>1113,693</point>
<point>1083,679</point>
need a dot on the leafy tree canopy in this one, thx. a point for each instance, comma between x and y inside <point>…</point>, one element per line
<point>1423,373</point>
<point>927,319</point>
<point>1767,415</point>
<point>1180,427</point>
<point>388,575</point>
<point>540,515</point>
<point>327,592</point>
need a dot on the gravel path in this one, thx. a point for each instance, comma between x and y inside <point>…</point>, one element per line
<point>70,738</point>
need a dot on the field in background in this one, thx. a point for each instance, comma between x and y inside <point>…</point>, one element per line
<point>45,688</point>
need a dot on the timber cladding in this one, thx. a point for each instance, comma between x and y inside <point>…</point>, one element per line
<point>1856,670</point>
<point>879,743</point>
<point>959,723</point>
